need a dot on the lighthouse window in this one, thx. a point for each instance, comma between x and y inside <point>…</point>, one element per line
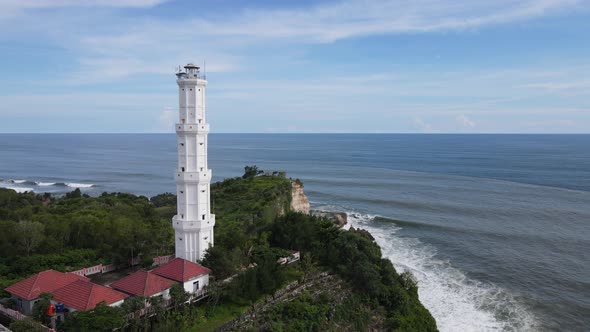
<point>181,144</point>
<point>191,89</point>
<point>201,143</point>
<point>199,89</point>
<point>202,191</point>
<point>183,169</point>
<point>180,238</point>
<point>203,217</point>
<point>182,192</point>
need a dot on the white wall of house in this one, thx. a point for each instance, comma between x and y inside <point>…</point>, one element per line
<point>116,304</point>
<point>191,285</point>
<point>70,309</point>
<point>165,294</point>
<point>24,306</point>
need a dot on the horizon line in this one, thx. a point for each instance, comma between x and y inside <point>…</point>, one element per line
<point>289,133</point>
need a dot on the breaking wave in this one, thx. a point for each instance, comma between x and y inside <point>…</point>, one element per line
<point>27,185</point>
<point>17,189</point>
<point>458,303</point>
<point>79,185</point>
<point>45,184</point>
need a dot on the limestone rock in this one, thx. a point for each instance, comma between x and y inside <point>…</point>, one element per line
<point>299,202</point>
<point>338,218</point>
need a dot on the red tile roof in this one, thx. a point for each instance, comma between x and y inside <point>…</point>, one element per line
<point>42,282</point>
<point>181,270</point>
<point>142,283</point>
<point>84,295</point>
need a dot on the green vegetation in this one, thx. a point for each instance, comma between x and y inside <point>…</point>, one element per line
<point>41,232</point>
<point>253,229</point>
<point>101,318</point>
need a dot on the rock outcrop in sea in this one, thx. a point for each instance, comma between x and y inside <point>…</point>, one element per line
<point>338,218</point>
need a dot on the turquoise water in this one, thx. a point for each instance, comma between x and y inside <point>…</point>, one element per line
<point>495,227</point>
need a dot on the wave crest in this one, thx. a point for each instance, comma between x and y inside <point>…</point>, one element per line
<point>458,303</point>
<point>79,185</point>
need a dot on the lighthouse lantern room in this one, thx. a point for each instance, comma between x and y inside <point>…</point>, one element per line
<point>193,224</point>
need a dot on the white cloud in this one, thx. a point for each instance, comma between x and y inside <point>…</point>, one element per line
<point>37,4</point>
<point>353,18</point>
<point>155,43</point>
<point>465,122</point>
<point>168,118</point>
<point>423,126</point>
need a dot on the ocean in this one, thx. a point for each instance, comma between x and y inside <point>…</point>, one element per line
<point>496,228</point>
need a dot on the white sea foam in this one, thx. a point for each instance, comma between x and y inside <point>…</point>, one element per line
<point>45,184</point>
<point>455,301</point>
<point>17,189</point>
<point>79,185</point>
<point>19,181</point>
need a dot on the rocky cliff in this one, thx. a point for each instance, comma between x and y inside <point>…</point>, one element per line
<point>338,218</point>
<point>299,201</point>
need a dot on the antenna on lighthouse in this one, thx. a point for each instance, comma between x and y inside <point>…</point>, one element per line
<point>204,69</point>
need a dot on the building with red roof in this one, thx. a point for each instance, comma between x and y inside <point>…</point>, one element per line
<point>26,292</point>
<point>144,283</point>
<point>194,277</point>
<point>84,295</point>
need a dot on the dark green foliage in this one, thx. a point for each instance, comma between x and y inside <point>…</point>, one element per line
<point>166,199</point>
<point>40,308</point>
<point>25,325</point>
<point>303,314</point>
<point>357,259</point>
<point>251,171</point>
<point>251,230</point>
<point>319,313</point>
<point>76,231</point>
<point>101,318</point>
<point>133,304</point>
<point>244,209</point>
<point>255,282</point>
<point>178,295</point>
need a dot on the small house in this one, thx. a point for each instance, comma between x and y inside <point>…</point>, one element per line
<point>26,292</point>
<point>84,295</point>
<point>144,283</point>
<point>193,277</point>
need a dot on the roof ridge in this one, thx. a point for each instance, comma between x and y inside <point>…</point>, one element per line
<point>34,285</point>
<point>145,287</point>
<point>90,295</point>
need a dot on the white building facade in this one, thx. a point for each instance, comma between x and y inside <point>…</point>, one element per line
<point>193,224</point>
<point>197,285</point>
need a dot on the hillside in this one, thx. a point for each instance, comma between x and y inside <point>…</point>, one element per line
<point>254,227</point>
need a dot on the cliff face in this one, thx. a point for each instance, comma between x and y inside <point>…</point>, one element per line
<point>299,202</point>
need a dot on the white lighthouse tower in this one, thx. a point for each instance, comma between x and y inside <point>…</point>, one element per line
<point>193,223</point>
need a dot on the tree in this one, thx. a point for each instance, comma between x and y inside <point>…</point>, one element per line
<point>307,264</point>
<point>101,318</point>
<point>251,171</point>
<point>74,194</point>
<point>40,308</point>
<point>25,325</point>
<point>30,235</point>
<point>178,295</point>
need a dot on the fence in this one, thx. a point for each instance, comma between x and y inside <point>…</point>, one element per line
<point>163,259</point>
<point>15,315</point>
<point>112,267</point>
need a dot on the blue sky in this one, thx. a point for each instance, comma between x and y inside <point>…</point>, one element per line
<point>435,66</point>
